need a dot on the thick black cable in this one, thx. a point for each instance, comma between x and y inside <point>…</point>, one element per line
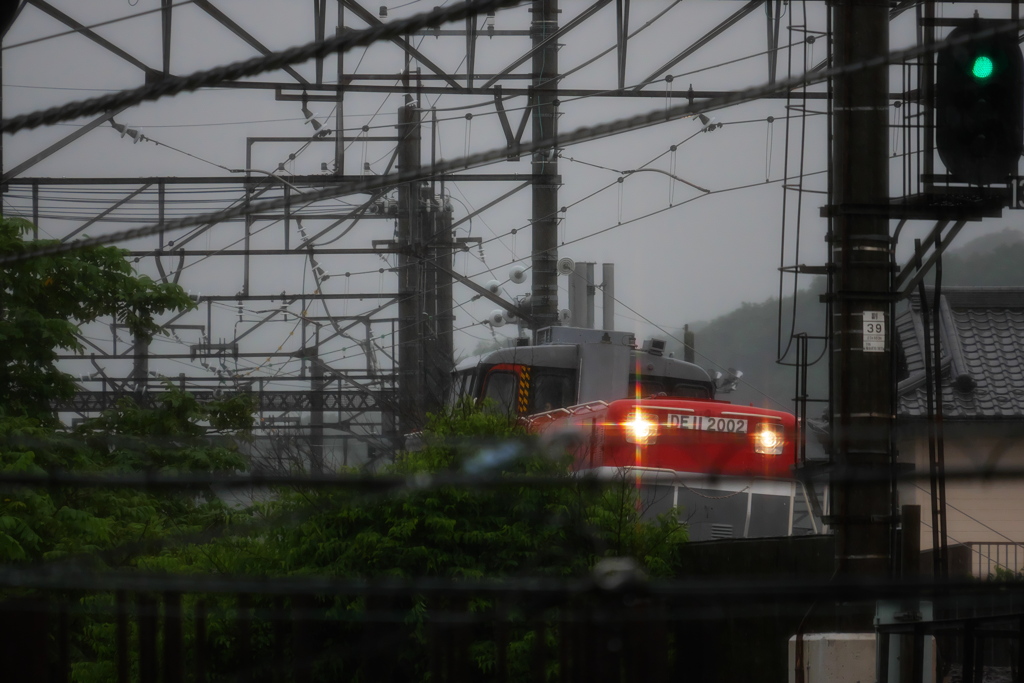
<point>579,135</point>
<point>377,483</point>
<point>253,67</point>
<point>690,592</point>
<point>94,26</point>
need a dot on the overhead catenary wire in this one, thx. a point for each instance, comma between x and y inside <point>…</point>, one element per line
<point>183,153</point>
<point>460,304</point>
<point>91,27</point>
<point>376,183</point>
<point>584,134</point>
<point>640,218</point>
<point>588,236</point>
<point>341,43</point>
<point>165,87</point>
<point>595,233</point>
<point>699,353</point>
<point>609,228</point>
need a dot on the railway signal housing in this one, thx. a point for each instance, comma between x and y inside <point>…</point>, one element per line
<point>979,105</point>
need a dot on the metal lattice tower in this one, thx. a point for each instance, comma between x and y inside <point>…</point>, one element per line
<point>338,314</point>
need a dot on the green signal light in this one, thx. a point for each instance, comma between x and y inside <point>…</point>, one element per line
<point>982,67</point>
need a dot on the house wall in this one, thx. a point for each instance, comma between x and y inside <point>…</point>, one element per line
<point>985,512</point>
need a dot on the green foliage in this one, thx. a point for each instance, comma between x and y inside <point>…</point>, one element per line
<point>463,532</point>
<point>454,532</point>
<point>43,301</point>
<point>106,525</point>
<point>1004,574</point>
<point>514,530</point>
<point>173,437</point>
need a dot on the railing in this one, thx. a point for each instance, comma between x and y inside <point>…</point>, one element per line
<point>997,559</point>
<point>316,629</point>
<point>613,626</point>
<point>969,650</point>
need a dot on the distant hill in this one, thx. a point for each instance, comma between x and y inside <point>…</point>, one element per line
<point>987,244</point>
<point>746,338</point>
<point>989,261</point>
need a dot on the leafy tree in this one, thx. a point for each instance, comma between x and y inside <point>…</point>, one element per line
<point>459,533</point>
<point>472,533</point>
<point>450,532</point>
<point>43,302</point>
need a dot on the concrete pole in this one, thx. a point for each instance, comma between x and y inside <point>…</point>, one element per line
<point>317,386</point>
<point>339,103</point>
<point>437,343</point>
<point>608,295</point>
<point>445,317</point>
<point>544,299</point>
<point>410,303</point>
<point>578,295</point>
<point>591,293</point>
<point>862,383</point>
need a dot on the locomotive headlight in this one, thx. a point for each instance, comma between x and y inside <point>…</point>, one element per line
<point>768,440</point>
<point>640,428</point>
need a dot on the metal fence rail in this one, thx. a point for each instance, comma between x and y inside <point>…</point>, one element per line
<point>970,650</point>
<point>1002,559</point>
<point>612,626</point>
<point>172,637</point>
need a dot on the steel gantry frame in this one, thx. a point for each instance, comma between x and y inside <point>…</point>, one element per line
<point>382,366</point>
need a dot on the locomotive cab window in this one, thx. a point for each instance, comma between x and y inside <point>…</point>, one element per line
<point>501,389</point>
<point>462,385</point>
<point>552,389</point>
<point>647,387</point>
<point>689,390</point>
<point>519,389</point>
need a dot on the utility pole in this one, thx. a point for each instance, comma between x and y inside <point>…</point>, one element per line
<point>544,293</point>
<point>862,383</point>
<point>317,386</point>
<point>442,315</point>
<point>339,111</point>
<point>410,242</point>
<point>608,291</point>
<point>140,365</point>
<point>437,345</point>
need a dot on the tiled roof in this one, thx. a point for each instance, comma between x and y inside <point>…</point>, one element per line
<point>982,342</point>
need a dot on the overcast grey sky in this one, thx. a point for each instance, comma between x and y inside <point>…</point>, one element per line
<point>680,256</point>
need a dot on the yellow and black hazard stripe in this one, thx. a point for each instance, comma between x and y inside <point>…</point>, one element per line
<point>524,389</point>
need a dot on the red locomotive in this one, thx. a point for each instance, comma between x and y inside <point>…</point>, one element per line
<point>728,469</point>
